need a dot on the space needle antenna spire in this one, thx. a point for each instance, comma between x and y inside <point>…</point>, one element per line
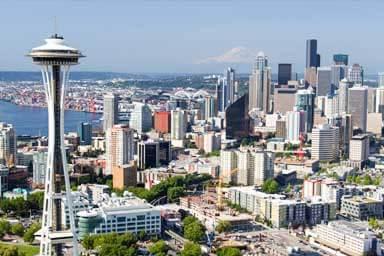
<point>55,59</point>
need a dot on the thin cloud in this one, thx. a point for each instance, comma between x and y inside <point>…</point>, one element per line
<point>238,54</point>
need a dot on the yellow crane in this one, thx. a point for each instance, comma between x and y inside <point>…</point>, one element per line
<point>220,204</point>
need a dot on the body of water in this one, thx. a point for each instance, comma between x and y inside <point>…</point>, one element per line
<point>34,121</point>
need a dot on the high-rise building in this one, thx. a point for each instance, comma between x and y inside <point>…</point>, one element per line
<point>284,99</point>
<point>141,118</point>
<point>39,167</point>
<point>219,94</point>
<point>162,121</point>
<point>312,57</point>
<point>340,59</point>
<point>260,85</point>
<point>358,107</point>
<point>331,105</point>
<point>124,175</point>
<point>343,93</point>
<point>237,119</point>
<point>284,73</point>
<point>85,133</point>
<point>229,88</point>
<point>55,59</point>
<point>355,74</point>
<point>295,125</point>
<point>119,147</point>
<point>338,73</point>
<point>305,100</point>
<point>325,143</point>
<point>7,144</point>
<point>209,107</point>
<point>111,111</point>
<point>281,129</point>
<point>148,154</point>
<point>324,81</point>
<point>262,167</point>
<point>380,95</point>
<point>164,152</point>
<point>359,150</point>
<point>178,124</point>
<point>228,163</point>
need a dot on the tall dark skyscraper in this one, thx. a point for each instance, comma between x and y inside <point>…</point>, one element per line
<point>284,73</point>
<point>85,133</point>
<point>312,57</point>
<point>340,59</point>
<point>237,119</point>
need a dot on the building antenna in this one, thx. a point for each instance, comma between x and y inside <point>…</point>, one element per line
<point>55,25</point>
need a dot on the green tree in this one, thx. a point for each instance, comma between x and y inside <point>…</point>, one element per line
<point>5,227</point>
<point>228,251</point>
<point>194,232</point>
<point>117,250</point>
<point>174,193</point>
<point>288,189</point>
<point>88,242</point>
<point>270,186</point>
<point>191,249</point>
<point>17,229</point>
<point>142,235</point>
<point>189,219</point>
<point>159,248</point>
<point>223,226</point>
<point>373,223</point>
<point>29,235</point>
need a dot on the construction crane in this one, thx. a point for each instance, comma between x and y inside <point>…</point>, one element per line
<point>220,204</point>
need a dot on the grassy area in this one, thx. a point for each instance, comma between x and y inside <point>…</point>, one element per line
<point>28,250</point>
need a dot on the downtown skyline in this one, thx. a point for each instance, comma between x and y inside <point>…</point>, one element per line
<point>196,36</point>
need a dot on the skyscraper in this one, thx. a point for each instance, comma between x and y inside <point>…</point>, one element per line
<point>111,111</point>
<point>325,143</point>
<point>85,133</point>
<point>338,73</point>
<point>162,121</point>
<point>178,124</point>
<point>340,59</point>
<point>312,58</point>
<point>284,74</point>
<point>343,92</point>
<point>229,89</point>
<point>148,154</point>
<point>219,94</point>
<point>305,100</point>
<point>260,85</point>
<point>119,147</point>
<point>237,119</point>
<point>324,81</point>
<point>141,118</point>
<point>209,107</point>
<point>357,107</point>
<point>355,74</point>
<point>55,59</point>
<point>295,125</point>
<point>380,95</point>
<point>7,145</point>
<point>262,167</point>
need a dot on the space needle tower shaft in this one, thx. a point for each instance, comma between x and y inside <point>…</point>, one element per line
<point>55,59</point>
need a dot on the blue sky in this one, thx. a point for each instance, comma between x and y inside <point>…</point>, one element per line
<point>196,35</point>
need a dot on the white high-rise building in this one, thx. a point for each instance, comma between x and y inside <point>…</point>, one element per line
<point>243,158</point>
<point>228,164</point>
<point>295,124</point>
<point>343,92</point>
<point>120,147</point>
<point>359,150</point>
<point>209,107</point>
<point>261,167</point>
<point>141,118</point>
<point>325,143</point>
<point>178,124</point>
<point>7,144</point>
<point>260,85</point>
<point>111,111</point>
<point>331,105</point>
<point>358,107</point>
<point>355,74</point>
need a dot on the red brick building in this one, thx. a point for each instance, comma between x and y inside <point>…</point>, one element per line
<point>162,121</point>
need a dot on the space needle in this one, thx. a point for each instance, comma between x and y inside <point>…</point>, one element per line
<point>55,59</point>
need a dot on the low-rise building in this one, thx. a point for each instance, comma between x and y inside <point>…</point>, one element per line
<point>351,238</point>
<point>361,208</point>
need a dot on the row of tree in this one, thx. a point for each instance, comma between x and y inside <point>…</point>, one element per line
<point>20,207</point>
<point>173,188</point>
